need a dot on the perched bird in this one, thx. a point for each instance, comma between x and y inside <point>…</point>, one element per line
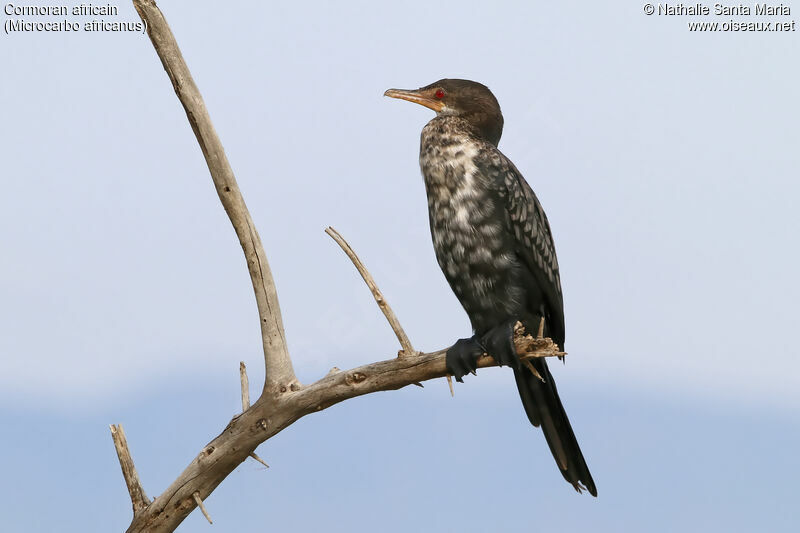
<point>493,243</point>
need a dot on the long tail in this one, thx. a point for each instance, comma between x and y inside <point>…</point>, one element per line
<point>543,407</point>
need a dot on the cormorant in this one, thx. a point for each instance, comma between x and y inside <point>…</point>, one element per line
<point>493,243</point>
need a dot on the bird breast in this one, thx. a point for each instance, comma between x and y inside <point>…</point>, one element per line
<point>466,217</point>
<point>457,194</point>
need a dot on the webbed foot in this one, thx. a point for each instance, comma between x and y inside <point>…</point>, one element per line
<point>499,343</point>
<point>462,357</point>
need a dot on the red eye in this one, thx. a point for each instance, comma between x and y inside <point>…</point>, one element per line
<point>439,93</point>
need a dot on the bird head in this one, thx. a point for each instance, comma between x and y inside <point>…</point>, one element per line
<point>465,99</point>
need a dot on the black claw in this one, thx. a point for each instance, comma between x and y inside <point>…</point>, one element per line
<point>499,343</point>
<point>462,357</point>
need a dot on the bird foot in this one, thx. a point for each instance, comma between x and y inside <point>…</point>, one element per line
<point>462,357</point>
<point>499,343</point>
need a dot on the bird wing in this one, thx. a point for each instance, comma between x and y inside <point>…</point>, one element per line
<point>529,228</point>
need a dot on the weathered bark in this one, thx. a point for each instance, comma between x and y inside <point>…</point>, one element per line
<point>271,414</point>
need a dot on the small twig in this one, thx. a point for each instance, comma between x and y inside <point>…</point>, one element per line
<point>450,384</point>
<point>520,329</point>
<point>259,459</point>
<point>138,497</point>
<point>408,349</point>
<point>246,402</point>
<point>199,502</point>
<point>245,386</point>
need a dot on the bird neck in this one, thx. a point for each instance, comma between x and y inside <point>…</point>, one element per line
<point>445,135</point>
<point>480,125</point>
<point>448,147</point>
<point>487,125</point>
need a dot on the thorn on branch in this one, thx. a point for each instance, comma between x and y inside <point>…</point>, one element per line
<point>259,459</point>
<point>450,384</point>
<point>199,502</point>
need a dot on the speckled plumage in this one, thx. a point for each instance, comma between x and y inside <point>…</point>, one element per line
<point>489,231</point>
<point>493,243</point>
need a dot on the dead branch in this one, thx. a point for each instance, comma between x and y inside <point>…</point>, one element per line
<point>278,365</point>
<point>138,497</point>
<point>394,322</point>
<point>283,400</point>
<point>408,349</point>
<point>268,416</point>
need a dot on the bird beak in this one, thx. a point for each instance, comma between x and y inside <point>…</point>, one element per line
<point>425,98</point>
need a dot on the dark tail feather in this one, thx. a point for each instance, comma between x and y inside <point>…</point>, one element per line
<point>543,407</point>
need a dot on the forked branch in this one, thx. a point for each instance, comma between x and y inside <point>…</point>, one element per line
<point>283,400</point>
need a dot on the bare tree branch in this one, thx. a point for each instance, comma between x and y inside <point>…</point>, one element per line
<point>283,400</point>
<point>269,416</point>
<point>138,497</point>
<point>278,365</point>
<point>408,349</point>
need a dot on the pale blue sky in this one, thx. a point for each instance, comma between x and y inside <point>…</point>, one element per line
<point>667,163</point>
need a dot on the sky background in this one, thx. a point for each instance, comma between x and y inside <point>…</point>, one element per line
<point>667,162</point>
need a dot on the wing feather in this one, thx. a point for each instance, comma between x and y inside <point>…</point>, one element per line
<point>527,222</point>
